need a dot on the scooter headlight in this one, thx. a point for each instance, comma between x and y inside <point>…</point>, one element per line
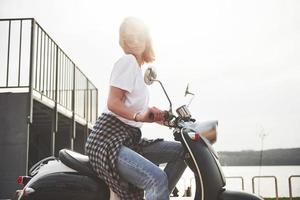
<point>210,135</point>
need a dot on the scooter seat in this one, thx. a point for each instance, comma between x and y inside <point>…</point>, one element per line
<point>76,161</point>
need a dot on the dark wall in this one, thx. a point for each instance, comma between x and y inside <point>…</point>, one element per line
<point>13,140</point>
<point>39,144</point>
<point>80,139</point>
<point>63,136</point>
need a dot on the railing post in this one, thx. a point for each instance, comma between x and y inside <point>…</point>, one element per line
<point>30,88</point>
<point>290,185</point>
<point>290,188</point>
<point>55,114</point>
<point>86,107</point>
<point>276,184</point>
<point>8,53</point>
<point>96,104</point>
<point>20,51</point>
<point>31,65</point>
<point>73,128</point>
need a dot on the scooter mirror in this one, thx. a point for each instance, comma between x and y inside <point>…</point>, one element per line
<point>150,75</point>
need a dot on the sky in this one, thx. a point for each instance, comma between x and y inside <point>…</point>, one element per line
<point>240,57</point>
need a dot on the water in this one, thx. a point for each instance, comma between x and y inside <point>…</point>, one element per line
<point>263,186</point>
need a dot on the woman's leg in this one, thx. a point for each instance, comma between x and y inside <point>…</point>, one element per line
<point>168,152</point>
<point>142,173</point>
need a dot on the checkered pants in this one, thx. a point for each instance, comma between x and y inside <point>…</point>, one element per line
<point>102,146</point>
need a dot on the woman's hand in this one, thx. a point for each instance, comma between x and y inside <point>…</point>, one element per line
<point>151,115</point>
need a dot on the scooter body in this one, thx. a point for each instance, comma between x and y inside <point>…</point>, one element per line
<point>71,176</point>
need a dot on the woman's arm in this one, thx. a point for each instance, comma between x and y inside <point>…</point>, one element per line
<point>116,104</point>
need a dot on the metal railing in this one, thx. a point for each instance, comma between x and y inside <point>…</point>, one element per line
<point>290,185</point>
<point>259,177</point>
<point>237,177</point>
<point>253,183</point>
<point>30,58</point>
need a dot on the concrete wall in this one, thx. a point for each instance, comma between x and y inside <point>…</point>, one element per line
<point>13,140</point>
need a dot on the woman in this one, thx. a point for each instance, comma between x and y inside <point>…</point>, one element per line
<point>127,163</point>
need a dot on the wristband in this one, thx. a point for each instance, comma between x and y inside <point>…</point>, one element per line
<point>135,116</point>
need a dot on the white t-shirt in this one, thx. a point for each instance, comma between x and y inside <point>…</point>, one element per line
<point>127,75</point>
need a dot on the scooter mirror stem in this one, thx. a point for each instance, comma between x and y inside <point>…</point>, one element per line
<point>170,109</point>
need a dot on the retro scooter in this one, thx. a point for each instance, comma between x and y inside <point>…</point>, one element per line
<point>70,176</point>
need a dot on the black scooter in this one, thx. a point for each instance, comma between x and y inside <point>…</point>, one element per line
<point>71,176</point>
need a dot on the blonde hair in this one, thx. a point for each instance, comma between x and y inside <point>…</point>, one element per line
<point>148,55</point>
